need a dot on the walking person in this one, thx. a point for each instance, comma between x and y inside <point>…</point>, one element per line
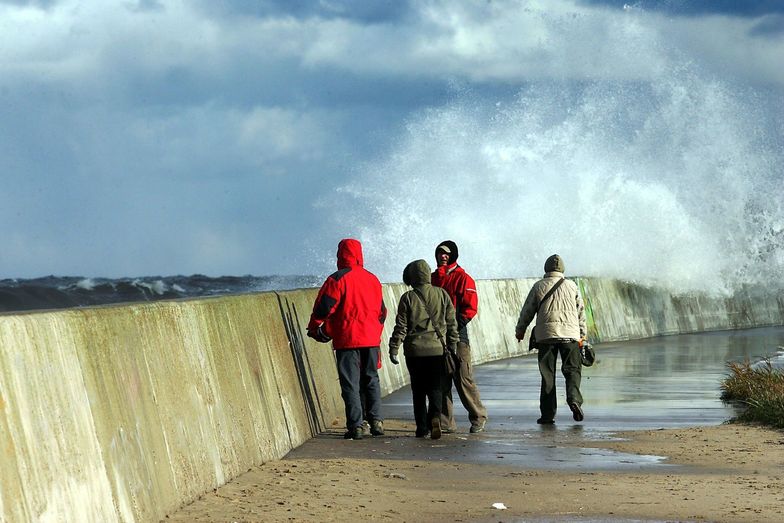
<point>426,326</point>
<point>560,329</point>
<point>462,290</point>
<point>349,310</point>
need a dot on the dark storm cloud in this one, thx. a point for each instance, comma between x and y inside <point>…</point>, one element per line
<point>699,7</point>
<point>769,26</point>
<point>373,12</point>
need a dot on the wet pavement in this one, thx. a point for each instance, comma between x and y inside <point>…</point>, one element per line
<point>664,382</point>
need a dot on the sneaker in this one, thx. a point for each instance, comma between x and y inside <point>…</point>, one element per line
<point>355,433</point>
<point>377,427</point>
<point>365,426</point>
<point>542,421</point>
<point>577,412</point>
<point>479,426</point>
<point>435,433</point>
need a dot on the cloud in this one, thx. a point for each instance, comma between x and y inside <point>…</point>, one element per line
<point>749,8</point>
<point>130,136</point>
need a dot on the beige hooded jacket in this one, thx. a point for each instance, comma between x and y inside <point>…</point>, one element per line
<point>562,317</point>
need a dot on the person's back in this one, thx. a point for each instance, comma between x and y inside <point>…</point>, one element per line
<point>560,328</point>
<point>349,310</point>
<point>426,327</point>
<point>350,304</point>
<point>560,318</point>
<point>420,337</point>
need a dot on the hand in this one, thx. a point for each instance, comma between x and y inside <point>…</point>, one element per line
<point>319,335</point>
<point>519,336</point>
<point>393,359</point>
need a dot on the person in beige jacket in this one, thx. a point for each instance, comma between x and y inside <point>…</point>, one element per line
<point>424,315</point>
<point>560,329</point>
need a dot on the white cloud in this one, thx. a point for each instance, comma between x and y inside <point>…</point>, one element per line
<point>505,40</point>
<point>109,103</point>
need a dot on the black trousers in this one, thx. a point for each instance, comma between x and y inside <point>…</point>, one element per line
<point>428,381</point>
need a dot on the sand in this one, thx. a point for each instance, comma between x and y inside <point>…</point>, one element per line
<point>720,473</point>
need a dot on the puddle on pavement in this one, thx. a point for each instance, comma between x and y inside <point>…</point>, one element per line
<point>664,382</point>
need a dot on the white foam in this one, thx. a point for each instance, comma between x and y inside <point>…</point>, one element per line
<point>87,284</point>
<point>157,287</point>
<point>670,182</point>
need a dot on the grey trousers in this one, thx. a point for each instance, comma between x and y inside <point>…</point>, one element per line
<point>571,367</point>
<point>467,390</point>
<point>358,373</point>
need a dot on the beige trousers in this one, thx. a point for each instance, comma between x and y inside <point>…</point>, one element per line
<point>467,391</point>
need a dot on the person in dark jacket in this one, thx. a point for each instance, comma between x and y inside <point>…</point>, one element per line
<point>560,329</point>
<point>462,289</point>
<point>349,310</point>
<point>425,316</point>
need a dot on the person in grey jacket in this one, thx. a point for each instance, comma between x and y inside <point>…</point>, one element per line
<point>420,312</point>
<point>560,329</point>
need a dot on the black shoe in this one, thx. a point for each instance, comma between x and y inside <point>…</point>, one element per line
<point>421,433</point>
<point>479,426</point>
<point>542,421</point>
<point>377,428</point>
<point>435,433</point>
<point>577,412</point>
<point>355,433</point>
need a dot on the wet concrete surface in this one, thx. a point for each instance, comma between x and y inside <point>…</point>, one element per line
<point>664,382</point>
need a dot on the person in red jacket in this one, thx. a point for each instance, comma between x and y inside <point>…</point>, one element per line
<point>349,310</point>
<point>462,289</point>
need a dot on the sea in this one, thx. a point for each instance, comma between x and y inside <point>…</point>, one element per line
<point>59,292</point>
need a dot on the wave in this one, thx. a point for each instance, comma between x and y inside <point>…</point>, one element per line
<point>57,292</point>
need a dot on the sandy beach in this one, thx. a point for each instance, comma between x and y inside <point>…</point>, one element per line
<point>729,473</point>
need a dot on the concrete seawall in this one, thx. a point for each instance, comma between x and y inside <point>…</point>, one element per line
<point>125,413</point>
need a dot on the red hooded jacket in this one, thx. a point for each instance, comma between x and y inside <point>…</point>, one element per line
<point>461,288</point>
<point>349,307</point>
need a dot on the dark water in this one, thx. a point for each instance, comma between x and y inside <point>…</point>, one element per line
<point>55,292</point>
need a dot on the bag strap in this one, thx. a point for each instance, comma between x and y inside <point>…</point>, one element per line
<point>430,316</point>
<point>549,293</point>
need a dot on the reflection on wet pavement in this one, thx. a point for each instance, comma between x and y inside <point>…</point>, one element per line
<point>664,382</point>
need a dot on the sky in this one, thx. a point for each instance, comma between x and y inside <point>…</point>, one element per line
<point>640,140</point>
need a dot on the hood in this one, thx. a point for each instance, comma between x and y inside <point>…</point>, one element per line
<point>450,247</point>
<point>554,264</point>
<point>349,254</point>
<point>416,273</point>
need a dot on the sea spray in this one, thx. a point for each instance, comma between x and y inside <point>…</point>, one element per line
<point>671,181</point>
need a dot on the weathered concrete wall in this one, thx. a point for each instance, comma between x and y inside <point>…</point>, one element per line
<point>124,413</point>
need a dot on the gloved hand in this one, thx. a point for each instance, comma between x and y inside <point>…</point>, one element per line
<point>319,335</point>
<point>393,359</point>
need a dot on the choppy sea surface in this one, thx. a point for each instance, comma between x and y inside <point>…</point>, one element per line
<point>57,292</point>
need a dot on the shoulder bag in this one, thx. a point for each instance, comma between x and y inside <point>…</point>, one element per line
<point>451,361</point>
<point>532,339</point>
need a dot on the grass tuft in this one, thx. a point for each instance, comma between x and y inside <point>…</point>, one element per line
<point>760,390</point>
